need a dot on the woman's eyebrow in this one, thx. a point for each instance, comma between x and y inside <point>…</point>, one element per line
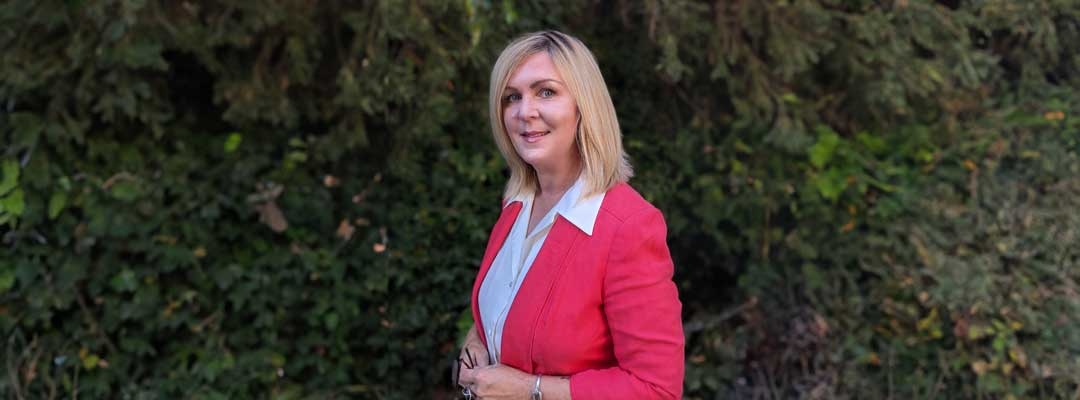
<point>538,83</point>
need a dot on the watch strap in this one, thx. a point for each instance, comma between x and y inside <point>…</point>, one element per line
<point>536,394</point>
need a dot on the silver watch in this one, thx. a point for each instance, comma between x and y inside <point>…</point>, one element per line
<point>536,394</point>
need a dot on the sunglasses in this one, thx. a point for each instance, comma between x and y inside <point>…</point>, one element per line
<point>469,362</point>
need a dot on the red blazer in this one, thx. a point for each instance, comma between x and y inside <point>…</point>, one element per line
<point>601,309</point>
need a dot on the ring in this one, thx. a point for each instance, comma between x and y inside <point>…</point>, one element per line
<point>467,393</point>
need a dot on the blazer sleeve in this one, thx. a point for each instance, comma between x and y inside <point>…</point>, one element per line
<point>644,315</point>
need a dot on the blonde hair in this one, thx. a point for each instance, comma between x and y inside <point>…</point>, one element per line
<point>598,141</point>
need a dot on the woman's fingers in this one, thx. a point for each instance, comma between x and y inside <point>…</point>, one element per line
<point>475,378</point>
<point>474,356</point>
<point>496,381</point>
<point>481,357</point>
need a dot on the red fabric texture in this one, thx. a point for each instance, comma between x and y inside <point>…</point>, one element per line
<point>601,309</point>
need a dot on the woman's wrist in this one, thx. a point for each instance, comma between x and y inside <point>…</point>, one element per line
<point>551,387</point>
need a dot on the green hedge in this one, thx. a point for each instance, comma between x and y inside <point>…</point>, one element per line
<point>289,199</point>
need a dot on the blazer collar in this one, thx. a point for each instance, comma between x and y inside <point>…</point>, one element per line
<point>578,210</point>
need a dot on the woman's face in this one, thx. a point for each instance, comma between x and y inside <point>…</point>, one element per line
<point>540,115</point>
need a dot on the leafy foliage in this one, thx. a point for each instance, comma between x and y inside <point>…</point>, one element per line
<point>289,199</point>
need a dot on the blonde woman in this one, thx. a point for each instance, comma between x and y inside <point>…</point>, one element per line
<point>574,297</point>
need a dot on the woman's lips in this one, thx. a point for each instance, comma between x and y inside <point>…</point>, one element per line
<point>534,136</point>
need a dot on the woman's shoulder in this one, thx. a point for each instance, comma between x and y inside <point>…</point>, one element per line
<point>623,202</point>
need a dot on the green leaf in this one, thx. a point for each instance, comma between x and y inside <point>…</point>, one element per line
<point>277,360</point>
<point>115,30</point>
<point>289,392</point>
<point>125,281</point>
<point>331,320</point>
<point>925,156</point>
<point>814,278</point>
<point>510,14</point>
<point>873,143</point>
<point>7,278</point>
<point>91,361</point>
<point>56,204</point>
<point>822,151</point>
<point>125,190</point>
<point>298,156</point>
<point>14,203</point>
<point>11,176</point>
<point>233,142</point>
<point>830,184</point>
<point>143,54</point>
<point>999,343</point>
<point>27,129</point>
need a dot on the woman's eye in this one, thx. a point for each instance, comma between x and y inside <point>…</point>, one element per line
<point>510,98</point>
<point>546,92</point>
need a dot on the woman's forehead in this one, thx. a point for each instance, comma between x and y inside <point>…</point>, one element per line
<point>534,68</point>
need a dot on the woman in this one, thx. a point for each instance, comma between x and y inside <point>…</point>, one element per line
<point>574,298</point>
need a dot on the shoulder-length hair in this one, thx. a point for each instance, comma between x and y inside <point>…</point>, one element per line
<point>598,141</point>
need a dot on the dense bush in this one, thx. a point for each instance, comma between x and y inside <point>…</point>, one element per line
<point>289,199</point>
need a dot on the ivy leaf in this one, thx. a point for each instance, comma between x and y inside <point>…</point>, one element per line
<point>1000,340</point>
<point>814,278</point>
<point>331,320</point>
<point>91,361</point>
<point>822,151</point>
<point>11,176</point>
<point>510,15</point>
<point>873,143</point>
<point>124,281</point>
<point>56,204</point>
<point>115,30</point>
<point>830,184</point>
<point>13,203</point>
<point>28,128</point>
<point>277,359</point>
<point>233,142</point>
<point>7,278</point>
<point>126,191</point>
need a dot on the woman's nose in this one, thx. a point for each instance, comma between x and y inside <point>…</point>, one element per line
<point>527,109</point>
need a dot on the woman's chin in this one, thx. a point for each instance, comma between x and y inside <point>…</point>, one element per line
<point>533,157</point>
<point>537,165</point>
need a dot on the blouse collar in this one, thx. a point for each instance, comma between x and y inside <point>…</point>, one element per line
<point>580,211</point>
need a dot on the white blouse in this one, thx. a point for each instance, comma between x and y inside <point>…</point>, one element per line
<point>518,251</point>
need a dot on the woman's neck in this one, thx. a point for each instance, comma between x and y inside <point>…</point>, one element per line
<point>555,182</point>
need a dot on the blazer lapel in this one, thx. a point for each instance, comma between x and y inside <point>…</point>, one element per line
<point>520,331</point>
<point>495,242</point>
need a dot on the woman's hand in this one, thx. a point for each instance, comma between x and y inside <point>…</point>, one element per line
<point>497,382</point>
<point>500,382</point>
<point>473,350</point>
<point>473,355</point>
